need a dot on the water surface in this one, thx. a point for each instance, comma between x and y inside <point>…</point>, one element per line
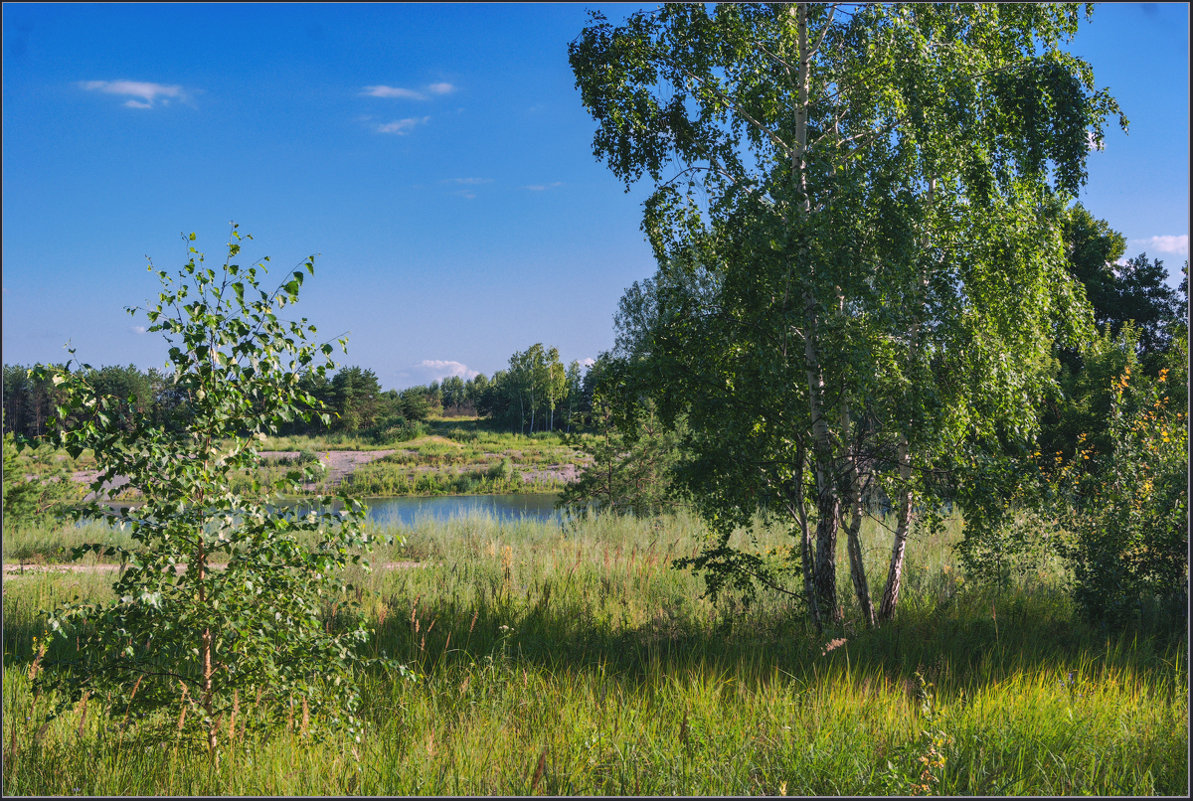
<point>407,511</point>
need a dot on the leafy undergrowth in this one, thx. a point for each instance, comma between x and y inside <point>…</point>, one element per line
<point>575,661</point>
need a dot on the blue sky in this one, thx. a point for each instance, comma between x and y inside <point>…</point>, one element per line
<point>436,157</point>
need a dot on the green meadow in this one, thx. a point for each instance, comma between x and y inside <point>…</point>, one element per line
<point>574,660</point>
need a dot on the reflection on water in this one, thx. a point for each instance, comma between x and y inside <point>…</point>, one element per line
<point>407,511</point>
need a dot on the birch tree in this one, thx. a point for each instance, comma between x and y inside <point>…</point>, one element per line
<point>870,198</point>
<point>222,600</point>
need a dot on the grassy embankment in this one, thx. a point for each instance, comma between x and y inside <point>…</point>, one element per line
<point>456,456</point>
<point>577,662</point>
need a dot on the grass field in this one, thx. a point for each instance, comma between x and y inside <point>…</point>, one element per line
<point>575,661</point>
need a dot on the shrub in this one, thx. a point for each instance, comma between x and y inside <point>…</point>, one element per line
<point>1127,509</point>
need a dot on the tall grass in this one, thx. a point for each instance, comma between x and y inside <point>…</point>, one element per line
<point>572,660</point>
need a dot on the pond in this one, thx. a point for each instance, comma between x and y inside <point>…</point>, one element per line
<point>406,511</point>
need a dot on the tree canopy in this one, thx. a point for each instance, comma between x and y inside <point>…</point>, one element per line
<point>857,216</point>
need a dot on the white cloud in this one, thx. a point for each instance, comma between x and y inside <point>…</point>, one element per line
<point>141,94</point>
<point>402,93</point>
<point>429,370</point>
<point>467,181</point>
<point>588,361</point>
<point>139,329</point>
<point>401,127</point>
<point>543,187</point>
<point>448,368</point>
<point>1175,245</point>
<point>393,91</point>
<point>1093,143</point>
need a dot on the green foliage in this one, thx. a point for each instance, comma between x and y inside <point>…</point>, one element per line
<point>1082,405</point>
<point>1127,508</point>
<point>223,597</point>
<point>527,394</point>
<point>1109,496</point>
<point>631,464</point>
<point>857,217</point>
<point>32,499</point>
<point>395,429</point>
<point>357,398</point>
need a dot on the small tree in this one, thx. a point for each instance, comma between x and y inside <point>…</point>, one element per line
<point>220,613</point>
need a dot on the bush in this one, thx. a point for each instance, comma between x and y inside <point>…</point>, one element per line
<point>396,429</point>
<point>1127,509</point>
<point>502,471</point>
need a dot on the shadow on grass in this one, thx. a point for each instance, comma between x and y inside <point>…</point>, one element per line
<point>979,639</point>
<point>975,639</point>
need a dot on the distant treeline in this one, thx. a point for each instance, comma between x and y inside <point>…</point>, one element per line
<point>536,393</point>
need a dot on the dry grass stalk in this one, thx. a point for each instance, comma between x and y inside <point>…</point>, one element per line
<point>41,732</point>
<point>232,719</point>
<point>833,645</point>
<point>128,709</point>
<point>182,714</point>
<point>306,717</point>
<point>83,711</point>
<point>290,715</point>
<point>35,667</point>
<point>539,770</point>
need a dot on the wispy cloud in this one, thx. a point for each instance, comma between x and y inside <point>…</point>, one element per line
<point>403,93</point>
<point>588,361</point>
<point>543,187</point>
<point>429,370</point>
<point>1177,245</point>
<point>467,181</point>
<point>392,91</point>
<point>401,127</point>
<point>139,329</point>
<point>140,94</point>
